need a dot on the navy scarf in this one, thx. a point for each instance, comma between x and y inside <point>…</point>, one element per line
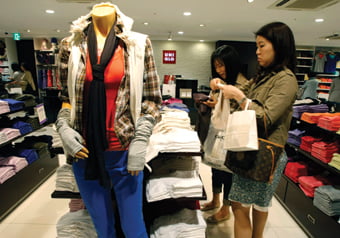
<point>96,140</point>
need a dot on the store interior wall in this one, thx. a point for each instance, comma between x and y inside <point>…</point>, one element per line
<point>192,59</point>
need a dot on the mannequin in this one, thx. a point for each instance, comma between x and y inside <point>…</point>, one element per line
<point>105,138</point>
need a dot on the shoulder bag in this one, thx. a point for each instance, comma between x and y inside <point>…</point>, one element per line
<point>258,165</point>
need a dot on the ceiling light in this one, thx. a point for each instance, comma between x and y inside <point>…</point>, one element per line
<point>28,30</point>
<point>58,30</point>
<point>250,1</point>
<point>319,20</point>
<point>202,25</point>
<point>146,23</point>
<point>49,11</point>
<point>327,38</point>
<point>187,13</point>
<point>180,32</point>
<point>201,40</point>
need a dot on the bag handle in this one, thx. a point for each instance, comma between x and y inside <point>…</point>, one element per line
<point>247,104</point>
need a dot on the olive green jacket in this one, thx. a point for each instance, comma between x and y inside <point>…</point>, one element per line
<point>272,99</point>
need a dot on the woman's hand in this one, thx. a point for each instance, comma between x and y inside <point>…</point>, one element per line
<point>214,82</point>
<point>211,102</point>
<point>232,92</point>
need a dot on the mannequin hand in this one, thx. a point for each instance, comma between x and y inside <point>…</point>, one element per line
<point>137,148</point>
<point>71,139</point>
<point>133,173</point>
<point>82,154</point>
<point>73,143</point>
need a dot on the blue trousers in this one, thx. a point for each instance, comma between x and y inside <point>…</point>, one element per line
<point>128,192</point>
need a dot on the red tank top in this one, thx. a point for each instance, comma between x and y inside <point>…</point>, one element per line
<point>113,74</point>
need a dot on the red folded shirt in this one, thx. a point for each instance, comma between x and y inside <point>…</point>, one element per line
<point>296,169</point>
<point>308,184</point>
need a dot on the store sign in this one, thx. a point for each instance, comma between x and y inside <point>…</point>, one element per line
<point>16,36</point>
<point>169,56</point>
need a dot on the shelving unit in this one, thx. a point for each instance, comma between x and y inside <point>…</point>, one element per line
<point>17,188</point>
<point>325,84</point>
<point>48,81</point>
<point>4,70</point>
<point>304,57</point>
<point>312,220</point>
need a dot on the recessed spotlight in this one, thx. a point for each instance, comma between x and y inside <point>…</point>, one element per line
<point>49,11</point>
<point>180,32</point>
<point>202,25</point>
<point>319,20</point>
<point>57,30</point>
<point>201,40</point>
<point>28,30</point>
<point>187,13</point>
<point>250,1</point>
<point>327,38</point>
<point>146,23</point>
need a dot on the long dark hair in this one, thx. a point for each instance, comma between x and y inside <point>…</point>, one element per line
<point>282,39</point>
<point>231,60</point>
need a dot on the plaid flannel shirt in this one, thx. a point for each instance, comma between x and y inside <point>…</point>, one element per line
<point>124,126</point>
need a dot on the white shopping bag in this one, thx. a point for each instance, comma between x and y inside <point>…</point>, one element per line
<point>214,153</point>
<point>241,131</point>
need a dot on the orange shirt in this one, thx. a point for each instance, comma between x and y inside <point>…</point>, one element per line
<point>113,74</point>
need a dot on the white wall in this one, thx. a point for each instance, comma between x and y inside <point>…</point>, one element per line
<point>11,50</point>
<point>192,59</point>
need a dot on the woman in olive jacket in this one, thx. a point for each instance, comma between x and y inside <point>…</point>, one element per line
<point>271,93</point>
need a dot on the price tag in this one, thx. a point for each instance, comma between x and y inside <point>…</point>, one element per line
<point>40,111</point>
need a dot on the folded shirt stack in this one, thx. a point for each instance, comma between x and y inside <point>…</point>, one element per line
<point>294,170</point>
<point>76,204</point>
<point>335,162</point>
<point>14,105</point>
<point>65,180</point>
<point>23,127</point>
<point>173,134</point>
<point>184,223</point>
<point>172,187</point>
<point>29,154</point>
<point>17,163</point>
<point>308,184</point>
<point>324,150</point>
<point>6,172</point>
<point>4,107</point>
<point>329,123</point>
<point>307,142</point>
<point>327,199</point>
<point>294,137</point>
<point>318,108</point>
<point>7,134</point>
<point>76,224</point>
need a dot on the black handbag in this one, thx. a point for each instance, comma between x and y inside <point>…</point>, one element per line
<point>257,165</point>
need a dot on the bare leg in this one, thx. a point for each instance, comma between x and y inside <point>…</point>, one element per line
<point>259,222</point>
<point>242,224</point>
<point>214,203</point>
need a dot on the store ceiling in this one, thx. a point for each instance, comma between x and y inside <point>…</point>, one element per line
<point>223,19</point>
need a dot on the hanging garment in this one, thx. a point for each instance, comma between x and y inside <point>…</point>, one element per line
<point>319,63</point>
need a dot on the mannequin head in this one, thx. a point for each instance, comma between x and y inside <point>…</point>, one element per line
<point>103,9</point>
